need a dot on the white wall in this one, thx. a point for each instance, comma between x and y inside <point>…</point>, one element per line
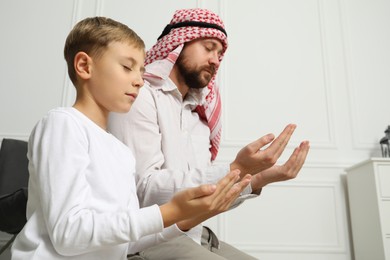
<point>322,64</point>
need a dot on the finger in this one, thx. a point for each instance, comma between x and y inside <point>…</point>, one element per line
<point>228,183</point>
<point>200,191</point>
<point>235,191</point>
<point>255,146</point>
<point>302,154</point>
<point>241,185</point>
<point>284,136</point>
<point>221,184</point>
<point>297,159</point>
<point>279,144</point>
<point>238,187</point>
<point>224,185</point>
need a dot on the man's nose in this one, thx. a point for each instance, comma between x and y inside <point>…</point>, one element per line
<point>214,59</point>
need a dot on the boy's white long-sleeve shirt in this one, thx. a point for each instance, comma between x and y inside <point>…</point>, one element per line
<point>82,195</point>
<point>170,143</point>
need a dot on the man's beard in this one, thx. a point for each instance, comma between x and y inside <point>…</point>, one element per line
<point>193,76</point>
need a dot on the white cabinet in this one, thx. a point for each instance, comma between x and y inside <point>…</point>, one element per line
<point>369,201</point>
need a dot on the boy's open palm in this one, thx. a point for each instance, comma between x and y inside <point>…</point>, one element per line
<point>222,203</point>
<point>203,199</point>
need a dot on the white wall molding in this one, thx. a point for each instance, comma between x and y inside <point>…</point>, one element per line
<point>231,140</point>
<point>365,68</point>
<point>327,191</point>
<point>69,92</point>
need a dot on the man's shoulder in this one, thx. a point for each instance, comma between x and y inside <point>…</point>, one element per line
<point>149,91</point>
<point>146,92</point>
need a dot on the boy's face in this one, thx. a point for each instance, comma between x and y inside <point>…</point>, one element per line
<point>117,77</point>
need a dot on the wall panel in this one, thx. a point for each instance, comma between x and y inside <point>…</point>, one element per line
<point>300,218</point>
<point>32,64</point>
<point>367,36</point>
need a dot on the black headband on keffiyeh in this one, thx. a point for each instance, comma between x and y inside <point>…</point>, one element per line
<point>169,27</point>
<point>185,26</point>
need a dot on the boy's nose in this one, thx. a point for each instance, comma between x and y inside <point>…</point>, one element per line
<point>139,82</point>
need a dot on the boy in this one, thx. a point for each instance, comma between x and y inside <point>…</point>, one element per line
<point>82,194</point>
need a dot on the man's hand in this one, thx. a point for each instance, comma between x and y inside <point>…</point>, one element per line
<point>251,159</point>
<point>287,171</point>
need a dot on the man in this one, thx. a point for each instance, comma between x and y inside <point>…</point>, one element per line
<point>174,130</point>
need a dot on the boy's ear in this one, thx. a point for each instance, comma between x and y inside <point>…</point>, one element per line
<point>82,65</point>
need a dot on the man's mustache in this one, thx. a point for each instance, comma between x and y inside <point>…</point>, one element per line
<point>210,68</point>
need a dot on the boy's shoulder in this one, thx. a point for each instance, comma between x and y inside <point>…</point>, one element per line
<point>61,118</point>
<point>60,112</point>
<point>64,123</point>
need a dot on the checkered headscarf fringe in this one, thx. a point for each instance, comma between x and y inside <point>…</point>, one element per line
<point>185,26</point>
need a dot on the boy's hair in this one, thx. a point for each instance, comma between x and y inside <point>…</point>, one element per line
<point>92,36</point>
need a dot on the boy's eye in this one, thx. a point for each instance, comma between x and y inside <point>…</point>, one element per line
<point>126,68</point>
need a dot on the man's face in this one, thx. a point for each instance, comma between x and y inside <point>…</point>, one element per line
<point>198,62</point>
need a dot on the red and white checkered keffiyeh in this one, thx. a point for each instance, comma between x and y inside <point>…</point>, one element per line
<point>163,55</point>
